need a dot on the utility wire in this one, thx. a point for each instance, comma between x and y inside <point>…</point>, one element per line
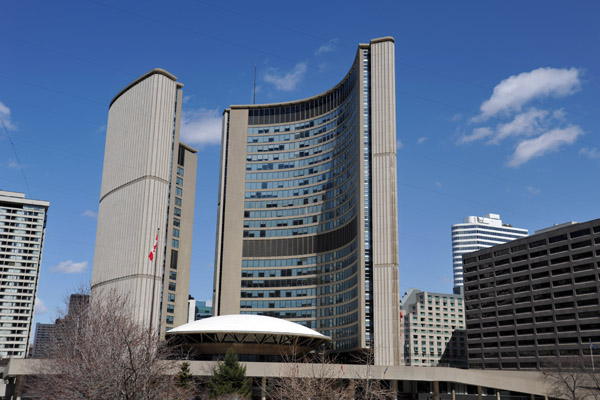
<point>16,156</point>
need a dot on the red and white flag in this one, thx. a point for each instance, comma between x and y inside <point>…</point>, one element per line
<point>153,251</point>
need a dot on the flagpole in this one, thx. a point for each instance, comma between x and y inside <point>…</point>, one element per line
<point>153,285</point>
<point>592,355</point>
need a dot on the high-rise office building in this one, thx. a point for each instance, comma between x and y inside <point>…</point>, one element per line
<point>307,217</point>
<point>22,229</point>
<point>535,300</point>
<point>147,203</point>
<point>476,233</point>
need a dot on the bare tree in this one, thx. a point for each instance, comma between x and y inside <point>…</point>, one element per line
<point>308,377</point>
<point>100,352</point>
<point>573,378</point>
<point>367,387</point>
<point>317,376</point>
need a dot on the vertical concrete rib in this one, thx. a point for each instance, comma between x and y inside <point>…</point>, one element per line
<point>384,211</point>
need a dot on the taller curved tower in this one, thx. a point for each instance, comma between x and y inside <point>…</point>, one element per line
<point>307,217</point>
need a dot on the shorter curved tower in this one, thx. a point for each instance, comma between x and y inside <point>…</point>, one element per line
<point>147,197</point>
<point>307,219</point>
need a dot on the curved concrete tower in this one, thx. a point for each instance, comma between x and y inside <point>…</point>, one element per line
<point>307,220</point>
<point>148,190</point>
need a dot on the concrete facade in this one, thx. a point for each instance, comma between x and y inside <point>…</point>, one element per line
<point>148,189</point>
<point>307,225</point>
<point>409,382</point>
<point>535,299</point>
<point>22,230</point>
<point>433,329</point>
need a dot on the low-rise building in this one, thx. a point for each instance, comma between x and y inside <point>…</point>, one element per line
<point>433,328</point>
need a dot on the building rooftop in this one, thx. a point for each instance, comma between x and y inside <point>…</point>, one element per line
<point>246,324</point>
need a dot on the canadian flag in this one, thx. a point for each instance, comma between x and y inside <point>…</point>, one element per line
<point>153,251</point>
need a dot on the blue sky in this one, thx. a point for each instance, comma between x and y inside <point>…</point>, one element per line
<point>498,108</point>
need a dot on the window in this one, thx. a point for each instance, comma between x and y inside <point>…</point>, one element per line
<point>176,222</point>
<point>169,319</point>
<point>176,232</point>
<point>177,211</point>
<point>170,308</point>
<point>179,171</point>
<point>179,181</point>
<point>171,297</point>
<point>179,191</point>
<point>175,243</point>
<point>181,156</point>
<point>173,275</point>
<point>172,286</point>
<point>177,201</point>
<point>174,255</point>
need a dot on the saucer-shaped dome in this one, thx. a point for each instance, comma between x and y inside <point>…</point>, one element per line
<point>246,334</point>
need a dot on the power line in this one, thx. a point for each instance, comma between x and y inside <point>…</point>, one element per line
<point>16,156</point>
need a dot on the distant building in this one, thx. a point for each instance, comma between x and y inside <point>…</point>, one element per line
<point>43,339</point>
<point>434,329</point>
<point>476,233</point>
<point>22,228</point>
<point>148,193</point>
<point>535,299</point>
<point>198,309</point>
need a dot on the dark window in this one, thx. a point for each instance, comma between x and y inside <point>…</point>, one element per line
<point>579,233</point>
<point>537,243</point>
<point>581,256</point>
<point>578,245</point>
<point>559,249</point>
<point>181,156</point>
<point>500,252</point>
<point>174,259</point>
<point>518,248</point>
<point>583,267</point>
<point>558,238</point>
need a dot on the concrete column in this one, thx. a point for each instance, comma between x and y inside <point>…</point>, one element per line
<point>394,385</point>
<point>453,394</point>
<point>479,393</point>
<point>436,390</point>
<point>263,388</point>
<point>498,395</point>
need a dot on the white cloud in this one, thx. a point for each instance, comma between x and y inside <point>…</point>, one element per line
<point>438,184</point>
<point>290,80</point>
<point>527,124</point>
<point>517,90</point>
<point>422,140</point>
<point>399,144</point>
<point>12,164</point>
<point>327,47</point>
<point>592,153</point>
<point>543,144</point>
<point>201,127</point>
<point>101,129</point>
<point>5,117</point>
<point>186,99</point>
<point>40,307</point>
<point>532,191</point>
<point>70,267</point>
<point>478,134</point>
<point>89,213</point>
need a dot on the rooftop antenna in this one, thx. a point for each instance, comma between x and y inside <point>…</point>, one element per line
<point>254,91</point>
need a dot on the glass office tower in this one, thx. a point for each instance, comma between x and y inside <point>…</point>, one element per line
<point>307,221</point>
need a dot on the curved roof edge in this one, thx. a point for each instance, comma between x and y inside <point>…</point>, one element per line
<point>383,39</point>
<point>247,323</point>
<point>141,78</point>
<point>300,101</point>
